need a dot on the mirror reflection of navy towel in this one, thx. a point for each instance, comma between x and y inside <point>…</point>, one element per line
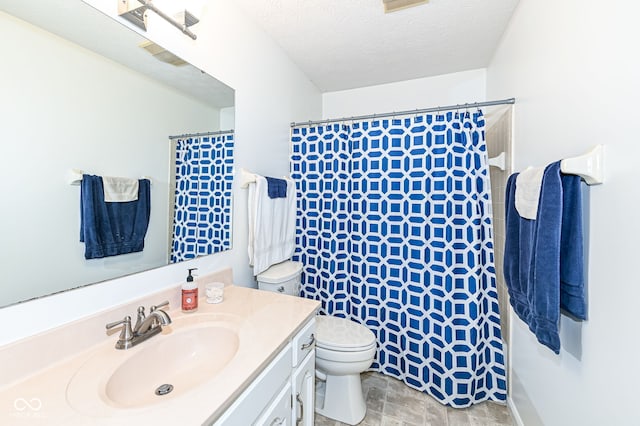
<point>112,228</point>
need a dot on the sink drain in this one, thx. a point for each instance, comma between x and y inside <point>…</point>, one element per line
<point>164,389</point>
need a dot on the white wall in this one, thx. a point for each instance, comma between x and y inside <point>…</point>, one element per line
<point>270,93</point>
<point>573,67</point>
<point>449,89</point>
<point>65,107</point>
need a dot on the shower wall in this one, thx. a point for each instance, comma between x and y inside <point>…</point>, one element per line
<point>498,136</point>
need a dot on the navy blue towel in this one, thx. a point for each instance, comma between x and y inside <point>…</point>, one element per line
<point>573,297</point>
<point>543,261</point>
<point>110,229</point>
<point>276,188</point>
<point>532,259</point>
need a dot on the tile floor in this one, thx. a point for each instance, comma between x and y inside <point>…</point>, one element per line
<point>392,403</point>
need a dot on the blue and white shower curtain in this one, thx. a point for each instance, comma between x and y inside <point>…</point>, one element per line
<point>394,232</point>
<point>202,208</point>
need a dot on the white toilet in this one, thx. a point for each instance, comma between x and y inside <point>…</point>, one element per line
<point>344,349</point>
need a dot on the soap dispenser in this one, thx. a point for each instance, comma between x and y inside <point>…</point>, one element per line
<point>190,294</point>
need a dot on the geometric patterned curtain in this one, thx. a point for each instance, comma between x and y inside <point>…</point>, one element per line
<point>394,232</point>
<point>202,211</point>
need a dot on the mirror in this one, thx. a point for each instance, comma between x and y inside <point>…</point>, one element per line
<point>96,101</point>
<point>201,201</point>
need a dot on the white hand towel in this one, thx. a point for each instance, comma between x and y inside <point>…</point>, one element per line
<point>119,189</point>
<point>528,184</point>
<point>251,205</point>
<point>272,225</point>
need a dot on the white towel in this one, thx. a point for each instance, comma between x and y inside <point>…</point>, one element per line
<point>528,184</point>
<point>119,189</point>
<point>272,225</point>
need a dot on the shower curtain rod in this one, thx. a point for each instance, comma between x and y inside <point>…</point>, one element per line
<point>194,135</point>
<point>415,111</point>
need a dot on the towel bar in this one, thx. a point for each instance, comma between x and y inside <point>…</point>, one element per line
<point>74,177</point>
<point>498,161</point>
<point>589,166</point>
<point>246,177</point>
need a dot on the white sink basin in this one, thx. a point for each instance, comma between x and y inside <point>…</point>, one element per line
<point>189,352</point>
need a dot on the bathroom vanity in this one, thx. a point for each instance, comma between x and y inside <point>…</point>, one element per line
<point>247,360</point>
<point>292,375</point>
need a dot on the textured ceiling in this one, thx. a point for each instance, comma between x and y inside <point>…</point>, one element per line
<point>344,44</point>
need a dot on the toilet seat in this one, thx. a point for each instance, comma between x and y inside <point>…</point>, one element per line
<point>343,335</point>
<point>335,348</point>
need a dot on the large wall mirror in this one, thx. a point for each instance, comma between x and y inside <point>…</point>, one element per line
<point>81,91</point>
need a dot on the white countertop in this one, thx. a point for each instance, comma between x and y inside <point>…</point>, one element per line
<point>266,321</point>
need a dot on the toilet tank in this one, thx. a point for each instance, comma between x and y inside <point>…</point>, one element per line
<point>282,278</point>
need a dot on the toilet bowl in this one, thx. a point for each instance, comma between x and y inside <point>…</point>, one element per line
<point>344,349</point>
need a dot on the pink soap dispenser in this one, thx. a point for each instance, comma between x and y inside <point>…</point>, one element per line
<point>190,294</point>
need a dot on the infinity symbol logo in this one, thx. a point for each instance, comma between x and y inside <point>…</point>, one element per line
<point>21,404</point>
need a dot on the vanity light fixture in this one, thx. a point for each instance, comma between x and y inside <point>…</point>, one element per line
<point>135,11</point>
<point>395,5</point>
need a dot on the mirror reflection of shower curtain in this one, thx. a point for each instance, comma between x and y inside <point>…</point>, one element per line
<point>202,206</point>
<point>394,232</point>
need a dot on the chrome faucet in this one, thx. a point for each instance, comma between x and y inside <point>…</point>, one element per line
<point>146,326</point>
<point>156,319</point>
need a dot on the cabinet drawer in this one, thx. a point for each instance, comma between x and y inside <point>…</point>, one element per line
<point>304,342</point>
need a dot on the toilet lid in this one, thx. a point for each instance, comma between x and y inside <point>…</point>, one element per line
<point>342,334</point>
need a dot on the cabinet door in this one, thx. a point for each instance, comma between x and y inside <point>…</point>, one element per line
<point>278,413</point>
<point>253,401</point>
<point>303,391</point>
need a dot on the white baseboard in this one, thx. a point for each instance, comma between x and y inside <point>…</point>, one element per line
<point>514,412</point>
